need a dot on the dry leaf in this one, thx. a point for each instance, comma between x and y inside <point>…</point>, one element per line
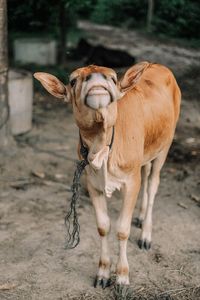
<point>195,198</point>
<point>190,140</point>
<point>59,176</point>
<point>7,286</point>
<point>182,205</point>
<point>38,174</point>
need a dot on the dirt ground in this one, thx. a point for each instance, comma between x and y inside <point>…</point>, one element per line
<point>35,195</point>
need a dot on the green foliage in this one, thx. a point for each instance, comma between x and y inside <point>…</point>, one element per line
<point>84,7</point>
<point>176,18</point>
<point>119,12</point>
<point>30,15</point>
<point>41,15</point>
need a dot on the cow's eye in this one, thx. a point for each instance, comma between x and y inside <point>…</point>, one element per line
<point>114,80</point>
<point>72,82</point>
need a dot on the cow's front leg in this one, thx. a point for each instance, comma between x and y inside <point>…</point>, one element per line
<point>131,190</point>
<point>103,226</point>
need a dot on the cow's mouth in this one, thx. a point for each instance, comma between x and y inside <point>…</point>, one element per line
<point>98,97</point>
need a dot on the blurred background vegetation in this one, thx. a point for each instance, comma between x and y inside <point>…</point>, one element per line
<point>174,19</point>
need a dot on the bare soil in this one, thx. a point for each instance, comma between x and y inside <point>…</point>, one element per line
<point>35,195</point>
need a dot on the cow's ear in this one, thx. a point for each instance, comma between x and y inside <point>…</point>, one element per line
<point>132,76</point>
<point>53,85</point>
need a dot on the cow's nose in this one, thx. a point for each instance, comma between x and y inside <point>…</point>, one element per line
<point>88,77</point>
<point>96,76</point>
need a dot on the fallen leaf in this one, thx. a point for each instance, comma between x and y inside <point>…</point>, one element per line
<point>172,170</point>
<point>38,174</point>
<point>7,286</point>
<point>195,198</point>
<point>59,176</point>
<point>61,147</point>
<point>57,184</point>
<point>194,153</point>
<point>190,140</point>
<point>20,185</point>
<point>182,205</point>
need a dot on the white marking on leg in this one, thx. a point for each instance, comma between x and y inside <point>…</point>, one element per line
<point>104,262</point>
<point>122,265</point>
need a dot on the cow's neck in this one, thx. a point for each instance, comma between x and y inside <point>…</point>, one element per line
<point>98,143</point>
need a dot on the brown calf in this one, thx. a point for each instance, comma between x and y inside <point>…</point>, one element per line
<point>142,122</point>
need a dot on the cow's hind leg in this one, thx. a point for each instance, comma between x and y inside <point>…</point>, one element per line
<point>103,225</point>
<point>143,208</point>
<point>152,187</point>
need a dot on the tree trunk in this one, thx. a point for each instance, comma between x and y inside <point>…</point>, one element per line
<point>63,31</point>
<point>4,108</point>
<point>150,15</point>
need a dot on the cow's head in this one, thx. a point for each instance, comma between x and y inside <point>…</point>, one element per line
<point>92,91</point>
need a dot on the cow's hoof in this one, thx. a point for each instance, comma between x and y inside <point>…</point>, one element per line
<point>144,244</point>
<point>103,282</point>
<point>121,291</point>
<point>137,222</point>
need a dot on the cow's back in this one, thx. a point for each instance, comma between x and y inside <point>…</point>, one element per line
<point>148,113</point>
<point>161,106</point>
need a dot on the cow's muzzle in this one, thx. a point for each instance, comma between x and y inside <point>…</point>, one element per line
<point>98,97</point>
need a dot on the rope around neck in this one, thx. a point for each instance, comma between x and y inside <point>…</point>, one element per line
<point>71,219</point>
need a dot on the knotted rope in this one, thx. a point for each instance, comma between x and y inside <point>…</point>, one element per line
<point>71,219</point>
<point>73,238</point>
